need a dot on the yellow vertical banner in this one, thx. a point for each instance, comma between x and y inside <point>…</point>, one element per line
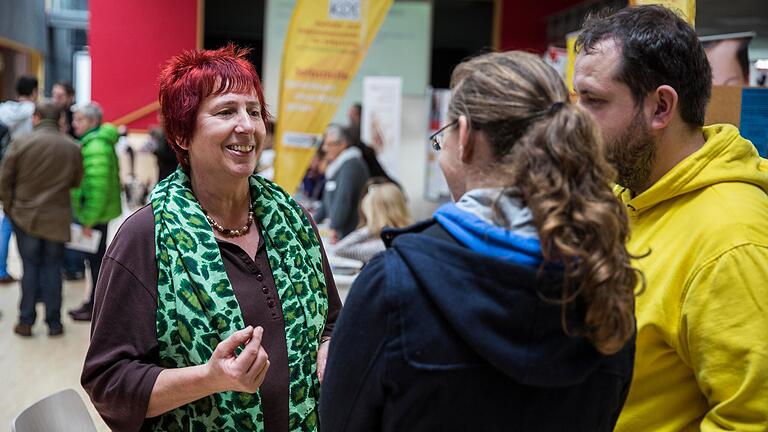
<point>686,7</point>
<point>570,46</point>
<point>326,42</point>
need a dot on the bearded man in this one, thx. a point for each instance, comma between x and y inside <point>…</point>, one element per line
<point>697,198</point>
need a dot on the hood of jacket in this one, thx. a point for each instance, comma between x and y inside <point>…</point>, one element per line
<point>493,223</point>
<point>725,157</point>
<point>106,132</point>
<point>496,305</point>
<point>16,114</point>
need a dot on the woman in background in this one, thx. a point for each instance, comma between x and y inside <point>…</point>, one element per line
<point>383,206</point>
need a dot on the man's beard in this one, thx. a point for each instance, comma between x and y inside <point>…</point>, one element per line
<point>632,154</point>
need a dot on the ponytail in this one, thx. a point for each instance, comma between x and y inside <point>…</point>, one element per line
<point>550,152</point>
<point>561,175</point>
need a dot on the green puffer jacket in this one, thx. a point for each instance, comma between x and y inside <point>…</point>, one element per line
<point>97,200</point>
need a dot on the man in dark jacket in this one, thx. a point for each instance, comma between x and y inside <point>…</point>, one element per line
<point>63,95</point>
<point>35,178</point>
<point>345,175</point>
<point>16,115</point>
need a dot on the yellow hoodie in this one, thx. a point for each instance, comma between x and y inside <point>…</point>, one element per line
<point>702,323</point>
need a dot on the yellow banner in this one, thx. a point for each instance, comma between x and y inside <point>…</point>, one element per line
<point>326,42</point>
<point>570,46</point>
<point>686,7</point>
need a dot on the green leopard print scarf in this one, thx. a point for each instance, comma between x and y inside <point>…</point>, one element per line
<point>197,308</point>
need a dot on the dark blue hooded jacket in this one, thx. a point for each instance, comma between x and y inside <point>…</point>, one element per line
<point>437,337</point>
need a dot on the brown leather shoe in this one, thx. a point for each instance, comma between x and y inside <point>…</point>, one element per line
<point>23,330</point>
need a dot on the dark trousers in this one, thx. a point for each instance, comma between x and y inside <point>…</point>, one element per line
<point>42,260</point>
<point>94,262</point>
<point>74,261</point>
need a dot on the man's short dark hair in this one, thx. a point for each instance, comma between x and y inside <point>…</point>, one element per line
<point>657,48</point>
<point>67,86</point>
<point>26,85</point>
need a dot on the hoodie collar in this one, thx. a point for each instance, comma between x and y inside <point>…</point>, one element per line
<point>724,157</point>
<point>475,222</point>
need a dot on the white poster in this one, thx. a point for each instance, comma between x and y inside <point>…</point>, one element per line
<point>557,58</point>
<point>82,74</point>
<point>380,122</point>
<point>436,187</point>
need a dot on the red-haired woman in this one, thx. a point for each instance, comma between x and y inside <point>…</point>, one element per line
<point>215,302</point>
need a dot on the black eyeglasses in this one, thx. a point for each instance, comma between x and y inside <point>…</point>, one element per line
<point>437,138</point>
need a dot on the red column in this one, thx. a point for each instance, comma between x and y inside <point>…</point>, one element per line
<point>129,43</point>
<point>523,23</point>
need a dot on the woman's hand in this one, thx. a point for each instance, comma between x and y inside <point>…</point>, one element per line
<point>243,373</point>
<point>322,357</point>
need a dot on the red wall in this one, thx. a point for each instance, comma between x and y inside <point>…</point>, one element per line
<point>524,23</point>
<point>129,42</point>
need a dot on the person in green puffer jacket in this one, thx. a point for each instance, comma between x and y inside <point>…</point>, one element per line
<point>97,200</point>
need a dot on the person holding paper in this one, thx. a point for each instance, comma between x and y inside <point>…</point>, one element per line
<point>35,177</point>
<point>97,200</point>
<point>216,302</point>
<point>512,309</point>
<point>697,197</point>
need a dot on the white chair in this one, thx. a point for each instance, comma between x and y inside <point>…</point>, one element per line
<point>60,412</point>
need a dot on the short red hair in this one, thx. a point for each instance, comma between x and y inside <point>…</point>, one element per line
<point>193,75</point>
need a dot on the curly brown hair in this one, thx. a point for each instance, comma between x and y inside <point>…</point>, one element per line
<point>551,153</point>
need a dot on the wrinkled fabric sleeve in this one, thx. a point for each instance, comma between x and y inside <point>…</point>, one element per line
<point>120,367</point>
<point>8,175</point>
<point>77,173</point>
<point>353,394</point>
<point>349,183</point>
<point>724,329</point>
<point>320,214</point>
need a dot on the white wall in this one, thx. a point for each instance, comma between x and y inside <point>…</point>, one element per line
<point>413,156</point>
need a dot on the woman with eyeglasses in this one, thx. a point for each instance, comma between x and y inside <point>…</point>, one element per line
<point>512,309</point>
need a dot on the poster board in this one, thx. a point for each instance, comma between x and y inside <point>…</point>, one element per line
<point>381,119</point>
<point>724,106</point>
<point>436,188</point>
<point>745,108</point>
